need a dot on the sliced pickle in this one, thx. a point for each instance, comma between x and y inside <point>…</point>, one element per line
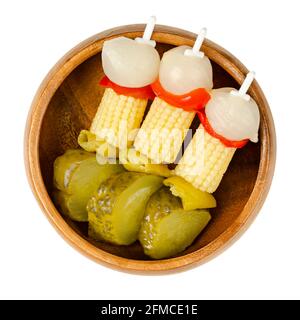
<point>65,166</point>
<point>115,212</point>
<point>89,175</point>
<point>191,197</point>
<point>84,180</point>
<point>167,229</point>
<point>71,206</point>
<point>60,199</point>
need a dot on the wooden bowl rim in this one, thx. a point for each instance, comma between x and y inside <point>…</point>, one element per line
<point>162,34</point>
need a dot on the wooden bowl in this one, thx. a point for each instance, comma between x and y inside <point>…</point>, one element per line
<point>66,103</point>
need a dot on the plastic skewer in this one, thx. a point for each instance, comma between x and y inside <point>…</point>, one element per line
<point>195,51</point>
<point>149,28</point>
<point>148,33</point>
<point>242,92</point>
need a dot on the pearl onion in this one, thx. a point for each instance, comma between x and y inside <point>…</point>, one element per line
<point>180,74</point>
<point>129,63</point>
<point>233,117</point>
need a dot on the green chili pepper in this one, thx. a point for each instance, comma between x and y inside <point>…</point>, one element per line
<point>191,197</point>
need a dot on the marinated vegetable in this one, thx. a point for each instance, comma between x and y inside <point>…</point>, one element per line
<point>185,77</point>
<point>191,197</point>
<point>88,141</point>
<point>71,206</point>
<point>115,212</point>
<point>229,120</point>
<point>77,175</point>
<point>135,161</point>
<point>167,229</point>
<point>65,165</point>
<point>157,169</point>
<point>130,66</point>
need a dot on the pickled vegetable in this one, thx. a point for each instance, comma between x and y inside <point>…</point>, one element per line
<point>65,165</point>
<point>191,197</point>
<point>156,169</point>
<point>60,199</point>
<point>88,141</point>
<point>167,229</point>
<point>232,116</point>
<point>116,211</point>
<point>71,206</point>
<point>77,175</point>
<point>133,160</point>
<point>180,73</point>
<point>130,63</point>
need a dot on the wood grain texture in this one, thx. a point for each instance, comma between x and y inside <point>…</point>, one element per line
<point>66,103</point>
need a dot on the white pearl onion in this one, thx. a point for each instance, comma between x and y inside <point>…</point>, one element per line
<point>233,117</point>
<point>129,63</point>
<point>180,74</point>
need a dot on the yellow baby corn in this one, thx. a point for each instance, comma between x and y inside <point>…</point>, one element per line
<point>163,131</point>
<point>117,117</point>
<point>204,161</point>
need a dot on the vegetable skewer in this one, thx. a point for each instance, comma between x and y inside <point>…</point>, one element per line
<point>130,67</point>
<point>230,119</point>
<point>185,75</point>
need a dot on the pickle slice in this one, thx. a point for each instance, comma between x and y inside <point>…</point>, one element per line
<point>71,206</point>
<point>65,165</point>
<point>116,211</point>
<point>81,176</point>
<point>191,197</point>
<point>89,175</point>
<point>60,199</point>
<point>167,229</point>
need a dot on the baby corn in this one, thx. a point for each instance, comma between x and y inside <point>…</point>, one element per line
<point>117,117</point>
<point>163,131</point>
<point>204,161</point>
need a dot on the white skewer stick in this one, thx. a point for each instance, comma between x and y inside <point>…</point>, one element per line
<point>148,33</point>
<point>195,51</point>
<point>242,92</point>
<point>149,28</point>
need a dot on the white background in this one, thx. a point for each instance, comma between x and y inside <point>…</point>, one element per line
<point>35,262</point>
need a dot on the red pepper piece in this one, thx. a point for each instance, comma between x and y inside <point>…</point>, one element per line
<point>192,101</point>
<point>138,93</point>
<point>211,131</point>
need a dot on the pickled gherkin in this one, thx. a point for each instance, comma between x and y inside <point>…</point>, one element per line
<point>167,229</point>
<point>65,165</point>
<point>116,211</point>
<point>71,206</point>
<point>77,175</point>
